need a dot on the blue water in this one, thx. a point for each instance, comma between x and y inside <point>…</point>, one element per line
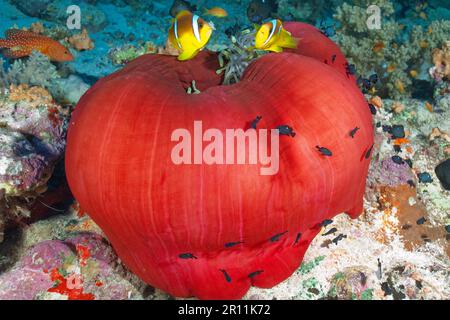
<point>127,23</point>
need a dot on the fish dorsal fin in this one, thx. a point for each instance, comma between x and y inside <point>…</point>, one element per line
<point>183,13</point>
<point>16,34</point>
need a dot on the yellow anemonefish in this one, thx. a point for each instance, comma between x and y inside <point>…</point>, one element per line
<point>189,34</point>
<point>273,37</point>
<point>217,12</point>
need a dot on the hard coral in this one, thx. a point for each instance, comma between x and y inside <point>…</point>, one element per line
<point>34,96</point>
<point>441,60</point>
<point>395,52</point>
<point>81,41</point>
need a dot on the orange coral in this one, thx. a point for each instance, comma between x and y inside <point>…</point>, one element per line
<point>35,96</point>
<point>441,60</point>
<point>81,41</point>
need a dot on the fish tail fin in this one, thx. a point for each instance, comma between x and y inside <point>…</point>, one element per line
<point>288,41</point>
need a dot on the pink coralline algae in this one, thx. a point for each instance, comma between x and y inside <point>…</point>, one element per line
<point>80,268</point>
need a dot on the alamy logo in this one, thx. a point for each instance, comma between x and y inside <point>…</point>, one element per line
<point>374,20</point>
<point>234,146</point>
<point>74,19</point>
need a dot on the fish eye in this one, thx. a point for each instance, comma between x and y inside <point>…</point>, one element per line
<point>200,24</point>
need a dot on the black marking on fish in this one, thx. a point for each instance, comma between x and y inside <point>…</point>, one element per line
<point>226,275</point>
<point>331,231</point>
<point>353,132</point>
<point>285,130</point>
<point>333,58</point>
<point>297,239</point>
<point>339,238</point>
<point>232,244</point>
<point>187,256</point>
<point>277,237</point>
<point>254,274</point>
<point>326,61</point>
<point>255,122</point>
<point>324,151</point>
<point>369,152</point>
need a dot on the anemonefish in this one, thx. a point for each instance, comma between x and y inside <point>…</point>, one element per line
<point>271,36</point>
<point>189,34</point>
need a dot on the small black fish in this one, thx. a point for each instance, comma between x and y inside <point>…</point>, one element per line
<point>353,132</point>
<point>187,256</point>
<point>369,152</point>
<point>387,128</point>
<point>326,222</point>
<point>254,274</point>
<point>339,238</point>
<point>421,221</point>
<point>397,148</point>
<point>331,231</point>
<point>259,10</point>
<point>324,151</point>
<point>297,239</point>
<point>277,237</point>
<point>286,131</point>
<point>398,132</point>
<point>180,5</point>
<point>226,275</point>
<point>373,109</point>
<point>232,244</point>
<point>350,69</point>
<point>425,177</point>
<point>411,183</point>
<point>255,122</point>
<point>374,79</point>
<point>397,160</point>
<point>409,163</point>
<point>366,84</point>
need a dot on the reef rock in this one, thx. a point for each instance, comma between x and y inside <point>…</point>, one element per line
<point>32,140</point>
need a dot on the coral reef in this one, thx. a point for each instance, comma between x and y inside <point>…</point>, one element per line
<point>127,53</point>
<point>81,41</point>
<point>395,52</point>
<point>32,136</point>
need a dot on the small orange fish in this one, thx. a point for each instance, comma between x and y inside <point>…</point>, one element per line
<point>429,106</point>
<point>378,47</point>
<point>414,73</point>
<point>20,43</point>
<point>391,68</point>
<point>216,12</point>
<point>400,86</point>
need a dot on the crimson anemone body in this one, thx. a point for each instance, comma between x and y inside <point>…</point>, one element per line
<point>212,231</point>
